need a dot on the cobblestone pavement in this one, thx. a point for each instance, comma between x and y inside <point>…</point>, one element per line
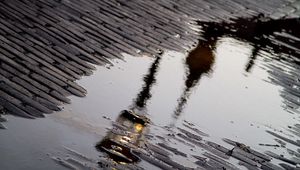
<point>47,45</point>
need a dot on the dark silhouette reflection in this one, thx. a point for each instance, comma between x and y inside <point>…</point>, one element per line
<point>131,125</point>
<point>149,80</point>
<point>281,39</point>
<point>129,129</point>
<point>278,37</point>
<point>198,63</point>
<point>257,31</point>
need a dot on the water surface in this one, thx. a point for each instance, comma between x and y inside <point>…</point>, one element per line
<point>229,86</point>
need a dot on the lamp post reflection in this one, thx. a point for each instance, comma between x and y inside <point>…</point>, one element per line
<point>129,130</point>
<point>127,133</point>
<point>131,126</point>
<point>198,63</point>
<point>255,31</point>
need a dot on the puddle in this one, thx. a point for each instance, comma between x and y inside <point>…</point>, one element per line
<point>238,83</point>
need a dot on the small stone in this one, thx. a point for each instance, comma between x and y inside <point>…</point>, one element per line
<point>177,36</point>
<point>2,126</point>
<point>106,117</point>
<point>2,119</point>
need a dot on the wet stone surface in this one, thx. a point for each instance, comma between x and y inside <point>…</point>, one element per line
<point>46,46</point>
<point>198,85</point>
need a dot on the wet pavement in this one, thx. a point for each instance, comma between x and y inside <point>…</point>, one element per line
<point>231,102</point>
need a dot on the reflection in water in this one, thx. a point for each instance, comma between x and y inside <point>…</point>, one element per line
<point>256,31</point>
<point>198,62</point>
<point>278,37</point>
<point>131,126</point>
<point>149,80</point>
<point>127,133</point>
